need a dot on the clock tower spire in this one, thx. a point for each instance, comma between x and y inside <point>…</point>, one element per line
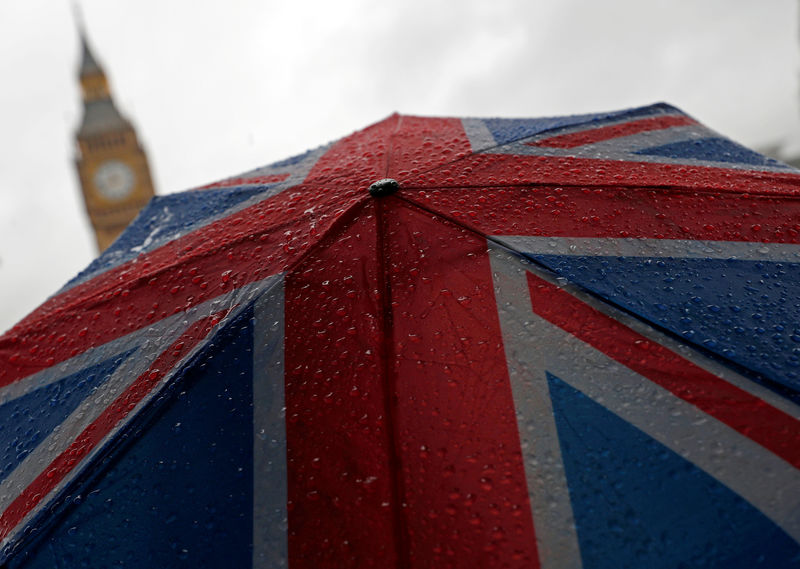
<point>112,166</point>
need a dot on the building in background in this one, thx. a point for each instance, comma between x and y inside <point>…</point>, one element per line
<point>787,150</point>
<point>787,147</point>
<point>112,166</point>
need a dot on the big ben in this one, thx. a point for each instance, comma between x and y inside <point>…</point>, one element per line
<point>112,166</point>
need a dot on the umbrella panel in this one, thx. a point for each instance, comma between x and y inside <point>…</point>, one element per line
<point>438,388</point>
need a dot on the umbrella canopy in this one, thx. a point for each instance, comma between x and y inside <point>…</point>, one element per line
<point>562,342</point>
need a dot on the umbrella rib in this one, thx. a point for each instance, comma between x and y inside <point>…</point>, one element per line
<point>390,147</point>
<point>615,186</point>
<point>400,526</point>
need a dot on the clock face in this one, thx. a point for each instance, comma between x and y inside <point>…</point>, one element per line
<point>114,180</point>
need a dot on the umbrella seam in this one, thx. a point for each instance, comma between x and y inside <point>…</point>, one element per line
<point>610,187</point>
<point>322,181</point>
<point>389,151</point>
<point>400,527</point>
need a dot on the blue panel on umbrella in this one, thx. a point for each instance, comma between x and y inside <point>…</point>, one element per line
<point>175,213</point>
<point>713,149</point>
<point>181,495</point>
<point>293,160</point>
<point>636,503</point>
<point>164,218</point>
<point>27,420</point>
<point>745,311</point>
<point>509,130</point>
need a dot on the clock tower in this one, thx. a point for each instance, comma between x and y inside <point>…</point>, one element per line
<point>112,166</point>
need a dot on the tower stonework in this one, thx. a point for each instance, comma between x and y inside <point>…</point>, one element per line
<point>112,166</point>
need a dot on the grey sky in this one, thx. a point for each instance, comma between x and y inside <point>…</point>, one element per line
<point>217,88</point>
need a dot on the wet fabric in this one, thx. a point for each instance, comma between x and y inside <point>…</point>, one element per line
<point>562,342</point>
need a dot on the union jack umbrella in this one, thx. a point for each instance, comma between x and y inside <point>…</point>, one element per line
<point>559,343</point>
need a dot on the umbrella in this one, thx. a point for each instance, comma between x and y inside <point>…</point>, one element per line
<point>557,342</point>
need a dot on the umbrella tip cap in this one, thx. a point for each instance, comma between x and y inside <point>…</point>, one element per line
<point>385,187</point>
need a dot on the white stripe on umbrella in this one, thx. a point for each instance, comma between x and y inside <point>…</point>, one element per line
<point>655,248</point>
<point>270,494</point>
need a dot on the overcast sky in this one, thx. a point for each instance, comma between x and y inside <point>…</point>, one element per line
<point>217,88</point>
